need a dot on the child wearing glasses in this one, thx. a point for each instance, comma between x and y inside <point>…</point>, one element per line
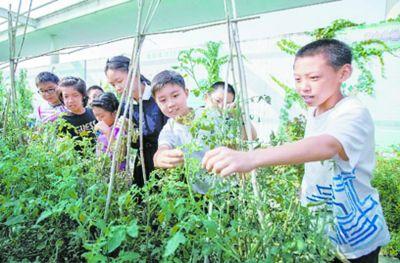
<point>47,85</point>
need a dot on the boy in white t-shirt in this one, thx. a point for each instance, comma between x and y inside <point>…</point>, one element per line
<point>170,93</point>
<point>338,152</point>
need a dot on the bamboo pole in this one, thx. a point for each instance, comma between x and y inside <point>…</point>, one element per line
<point>133,71</point>
<point>12,99</point>
<point>11,40</point>
<point>142,30</point>
<point>128,144</point>
<point>24,34</point>
<point>141,117</point>
<point>244,101</point>
<point>230,61</point>
<point>137,50</point>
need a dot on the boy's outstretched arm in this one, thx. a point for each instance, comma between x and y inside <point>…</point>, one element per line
<point>166,157</point>
<point>226,161</point>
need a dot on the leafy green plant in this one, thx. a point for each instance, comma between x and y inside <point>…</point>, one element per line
<point>396,19</point>
<point>208,58</point>
<point>24,94</point>
<point>290,129</point>
<point>291,98</point>
<point>52,201</point>
<point>363,52</point>
<point>331,30</point>
<point>15,115</point>
<point>40,188</point>
<point>386,176</point>
<point>288,46</point>
<point>52,206</point>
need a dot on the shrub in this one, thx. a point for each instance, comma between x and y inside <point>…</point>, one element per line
<point>386,180</point>
<point>52,206</point>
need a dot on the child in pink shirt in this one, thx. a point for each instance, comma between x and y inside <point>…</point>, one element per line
<point>47,84</point>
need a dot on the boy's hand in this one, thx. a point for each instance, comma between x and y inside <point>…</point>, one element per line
<point>168,158</point>
<point>225,161</point>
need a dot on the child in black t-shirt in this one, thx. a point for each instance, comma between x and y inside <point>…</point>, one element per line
<point>74,96</point>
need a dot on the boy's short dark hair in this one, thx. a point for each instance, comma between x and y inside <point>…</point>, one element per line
<point>166,77</point>
<point>337,52</point>
<point>221,85</point>
<point>94,87</point>
<point>122,63</point>
<point>46,76</point>
<point>78,84</point>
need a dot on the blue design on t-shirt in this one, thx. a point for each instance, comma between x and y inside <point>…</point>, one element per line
<point>324,195</point>
<point>355,224</point>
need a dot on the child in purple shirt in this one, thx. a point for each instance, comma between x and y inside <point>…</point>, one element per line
<point>105,110</point>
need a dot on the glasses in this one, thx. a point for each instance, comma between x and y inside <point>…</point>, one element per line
<point>49,91</point>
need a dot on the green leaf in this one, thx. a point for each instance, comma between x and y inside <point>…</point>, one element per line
<point>43,216</point>
<point>174,243</point>
<point>300,244</point>
<point>128,257</point>
<point>132,229</point>
<point>93,257</point>
<point>101,224</point>
<point>211,227</point>
<point>117,236</point>
<point>15,220</point>
<point>41,245</point>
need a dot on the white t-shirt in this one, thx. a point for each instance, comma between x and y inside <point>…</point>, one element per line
<point>345,186</point>
<point>175,134</point>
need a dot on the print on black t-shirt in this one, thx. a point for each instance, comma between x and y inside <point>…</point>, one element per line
<point>83,126</point>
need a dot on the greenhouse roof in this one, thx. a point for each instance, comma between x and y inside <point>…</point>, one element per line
<point>57,24</point>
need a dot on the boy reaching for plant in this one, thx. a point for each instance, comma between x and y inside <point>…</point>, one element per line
<point>171,94</point>
<point>338,152</point>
